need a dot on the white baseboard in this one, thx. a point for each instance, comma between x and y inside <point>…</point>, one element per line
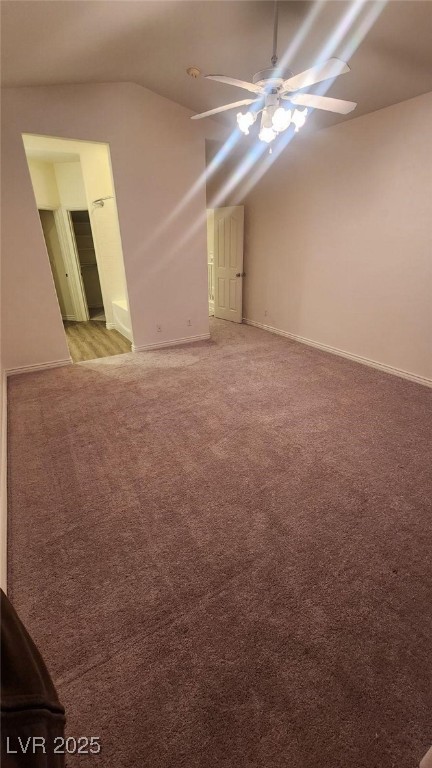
<point>71,318</point>
<point>38,367</point>
<point>125,332</point>
<point>172,343</point>
<point>334,351</point>
<point>3,485</point>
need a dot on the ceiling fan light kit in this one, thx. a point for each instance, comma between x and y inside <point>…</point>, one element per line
<point>269,88</point>
<point>274,120</point>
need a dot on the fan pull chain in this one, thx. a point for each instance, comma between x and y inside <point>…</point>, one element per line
<point>274,58</point>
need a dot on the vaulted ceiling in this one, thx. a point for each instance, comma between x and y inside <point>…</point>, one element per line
<point>388,46</point>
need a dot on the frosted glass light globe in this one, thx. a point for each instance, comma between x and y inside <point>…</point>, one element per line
<point>245,120</point>
<point>281,119</point>
<point>299,118</point>
<point>267,134</point>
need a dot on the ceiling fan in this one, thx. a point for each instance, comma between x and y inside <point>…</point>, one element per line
<point>270,89</point>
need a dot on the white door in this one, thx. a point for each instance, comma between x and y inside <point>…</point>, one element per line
<point>58,269</point>
<point>228,262</point>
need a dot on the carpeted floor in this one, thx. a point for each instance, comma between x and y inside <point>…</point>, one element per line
<point>224,553</point>
<point>91,340</point>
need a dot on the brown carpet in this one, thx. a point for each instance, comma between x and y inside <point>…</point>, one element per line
<point>224,554</point>
<point>91,340</point>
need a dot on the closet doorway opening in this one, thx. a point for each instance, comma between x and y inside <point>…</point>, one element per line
<point>83,237</point>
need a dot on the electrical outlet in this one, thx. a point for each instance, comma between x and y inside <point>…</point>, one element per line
<point>158,328</point>
<point>265,313</point>
<point>189,322</point>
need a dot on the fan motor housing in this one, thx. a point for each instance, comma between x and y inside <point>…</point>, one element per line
<point>270,78</point>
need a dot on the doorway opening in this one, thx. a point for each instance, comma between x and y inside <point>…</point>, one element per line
<point>89,338</point>
<point>80,223</point>
<point>75,197</point>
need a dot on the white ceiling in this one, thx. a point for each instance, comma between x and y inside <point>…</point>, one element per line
<point>153,43</point>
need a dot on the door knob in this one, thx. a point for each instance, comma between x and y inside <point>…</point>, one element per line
<point>240,274</point>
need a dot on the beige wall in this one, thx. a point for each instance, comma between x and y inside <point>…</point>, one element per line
<point>56,184</point>
<point>157,155</point>
<point>44,183</point>
<point>339,238</point>
<point>219,189</point>
<point>70,185</point>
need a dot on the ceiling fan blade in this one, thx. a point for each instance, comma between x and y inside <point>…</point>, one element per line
<point>238,83</point>
<point>321,102</point>
<point>330,68</point>
<point>222,109</point>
